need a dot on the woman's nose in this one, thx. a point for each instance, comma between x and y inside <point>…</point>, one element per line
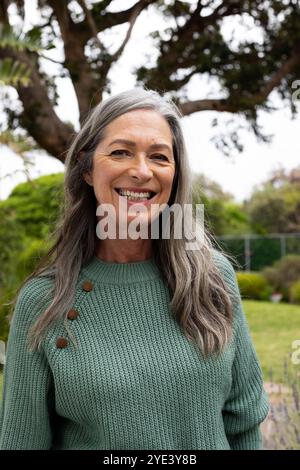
<point>140,168</point>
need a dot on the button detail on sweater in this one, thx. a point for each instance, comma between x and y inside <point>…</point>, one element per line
<point>87,286</point>
<point>72,314</point>
<point>61,343</point>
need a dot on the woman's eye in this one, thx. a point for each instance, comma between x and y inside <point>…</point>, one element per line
<point>119,152</point>
<point>159,157</point>
<point>125,153</point>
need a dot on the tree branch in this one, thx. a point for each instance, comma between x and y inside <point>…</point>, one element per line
<point>173,51</point>
<point>85,85</point>
<point>138,8</point>
<point>4,4</point>
<point>287,67</point>
<point>42,56</point>
<point>113,19</point>
<point>39,117</point>
<point>90,20</point>
<point>89,79</point>
<point>190,107</point>
<point>248,101</point>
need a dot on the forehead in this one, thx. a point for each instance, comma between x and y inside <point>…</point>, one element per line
<point>139,124</point>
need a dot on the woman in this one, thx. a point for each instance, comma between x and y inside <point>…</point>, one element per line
<point>135,342</point>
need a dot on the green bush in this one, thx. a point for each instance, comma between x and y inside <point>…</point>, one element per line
<point>28,216</point>
<point>30,257</point>
<point>36,204</point>
<point>283,274</point>
<point>253,286</point>
<point>24,265</point>
<point>295,292</point>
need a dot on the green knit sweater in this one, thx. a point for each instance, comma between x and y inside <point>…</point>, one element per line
<point>134,381</point>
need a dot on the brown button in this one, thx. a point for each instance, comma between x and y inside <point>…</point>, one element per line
<point>87,286</point>
<point>61,342</point>
<point>72,314</point>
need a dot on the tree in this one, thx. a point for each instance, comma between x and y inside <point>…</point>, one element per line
<point>213,190</point>
<point>222,215</point>
<point>192,44</point>
<point>274,206</point>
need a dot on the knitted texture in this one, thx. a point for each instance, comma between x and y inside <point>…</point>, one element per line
<point>133,381</point>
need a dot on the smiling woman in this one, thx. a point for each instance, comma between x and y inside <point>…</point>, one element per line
<point>130,343</point>
<point>127,166</point>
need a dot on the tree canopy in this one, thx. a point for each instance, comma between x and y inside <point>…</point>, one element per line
<point>193,43</point>
<point>274,207</point>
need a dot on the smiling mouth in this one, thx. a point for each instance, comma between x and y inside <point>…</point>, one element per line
<point>135,196</point>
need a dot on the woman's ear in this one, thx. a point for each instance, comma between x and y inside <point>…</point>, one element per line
<point>88,178</point>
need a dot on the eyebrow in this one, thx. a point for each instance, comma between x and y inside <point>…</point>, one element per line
<point>133,144</point>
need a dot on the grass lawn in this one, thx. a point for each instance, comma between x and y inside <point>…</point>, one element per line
<point>273,328</point>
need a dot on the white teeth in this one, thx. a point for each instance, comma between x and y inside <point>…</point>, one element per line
<point>131,195</point>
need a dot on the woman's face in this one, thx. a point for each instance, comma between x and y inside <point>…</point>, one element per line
<point>134,163</point>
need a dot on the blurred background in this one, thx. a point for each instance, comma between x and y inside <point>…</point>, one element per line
<point>233,69</point>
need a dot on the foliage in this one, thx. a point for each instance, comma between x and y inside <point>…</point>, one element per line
<point>18,40</point>
<point>275,206</point>
<point>23,145</point>
<point>253,286</point>
<point>202,184</point>
<point>236,220</point>
<point>36,204</point>
<point>13,72</point>
<point>283,274</point>
<point>28,217</point>
<point>221,214</point>
<point>18,143</point>
<point>295,292</point>
<point>30,255</point>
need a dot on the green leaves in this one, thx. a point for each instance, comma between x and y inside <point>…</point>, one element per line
<point>13,72</point>
<point>18,143</point>
<point>19,41</point>
<point>27,217</point>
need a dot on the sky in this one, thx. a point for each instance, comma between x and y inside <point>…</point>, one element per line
<point>237,174</point>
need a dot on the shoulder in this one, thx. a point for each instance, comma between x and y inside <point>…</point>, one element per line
<point>32,298</point>
<point>227,272</point>
<point>224,265</point>
<point>229,276</point>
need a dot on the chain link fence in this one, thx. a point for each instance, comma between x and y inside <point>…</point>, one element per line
<point>255,252</point>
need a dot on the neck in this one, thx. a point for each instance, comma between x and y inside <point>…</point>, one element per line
<point>124,251</point>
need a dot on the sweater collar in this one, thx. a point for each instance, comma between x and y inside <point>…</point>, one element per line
<point>116,273</point>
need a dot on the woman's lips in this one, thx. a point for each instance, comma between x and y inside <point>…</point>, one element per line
<point>145,202</point>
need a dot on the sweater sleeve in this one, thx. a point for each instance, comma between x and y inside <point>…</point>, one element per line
<point>28,398</point>
<point>247,404</point>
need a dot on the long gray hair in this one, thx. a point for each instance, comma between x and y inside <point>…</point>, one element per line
<point>200,300</point>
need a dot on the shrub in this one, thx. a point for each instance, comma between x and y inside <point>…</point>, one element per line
<point>30,257</point>
<point>28,216</point>
<point>253,285</point>
<point>295,292</point>
<point>283,274</point>
<point>36,204</point>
